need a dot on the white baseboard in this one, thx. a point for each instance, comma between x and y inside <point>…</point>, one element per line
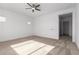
<point>14,38</point>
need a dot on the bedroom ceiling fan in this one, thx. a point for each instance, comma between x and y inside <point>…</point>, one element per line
<point>33,7</point>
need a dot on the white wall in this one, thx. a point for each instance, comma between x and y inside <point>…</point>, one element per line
<point>77,25</point>
<point>48,25</point>
<point>45,25</point>
<point>15,26</point>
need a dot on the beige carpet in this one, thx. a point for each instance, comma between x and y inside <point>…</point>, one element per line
<point>35,45</point>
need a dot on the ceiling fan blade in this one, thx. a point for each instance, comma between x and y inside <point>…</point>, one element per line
<point>37,5</point>
<point>29,4</point>
<point>28,8</point>
<point>37,9</point>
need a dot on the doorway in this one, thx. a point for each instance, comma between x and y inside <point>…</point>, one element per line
<point>65,26</point>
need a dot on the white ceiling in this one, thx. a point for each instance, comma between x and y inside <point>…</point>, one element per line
<point>45,8</point>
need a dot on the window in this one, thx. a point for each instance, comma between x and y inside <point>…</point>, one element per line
<point>2,19</point>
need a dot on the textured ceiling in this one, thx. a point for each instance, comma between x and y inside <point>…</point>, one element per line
<point>45,8</point>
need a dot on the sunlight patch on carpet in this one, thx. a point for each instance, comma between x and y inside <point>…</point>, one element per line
<point>32,47</point>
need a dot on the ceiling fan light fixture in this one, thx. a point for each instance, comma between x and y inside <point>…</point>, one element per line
<point>33,8</point>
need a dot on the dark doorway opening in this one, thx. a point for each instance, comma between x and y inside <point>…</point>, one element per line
<point>65,26</point>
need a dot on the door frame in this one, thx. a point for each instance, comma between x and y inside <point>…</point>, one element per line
<point>73,11</point>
